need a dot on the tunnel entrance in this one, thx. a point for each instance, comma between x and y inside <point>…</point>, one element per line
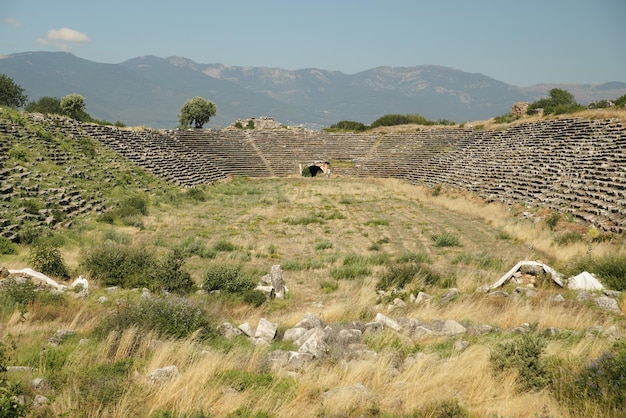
<point>318,167</point>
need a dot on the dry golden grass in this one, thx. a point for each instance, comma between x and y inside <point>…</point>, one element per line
<point>266,219</point>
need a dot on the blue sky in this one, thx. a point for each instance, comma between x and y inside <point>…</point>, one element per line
<point>521,42</point>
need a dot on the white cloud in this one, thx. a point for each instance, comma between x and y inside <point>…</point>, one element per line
<point>11,21</point>
<point>62,38</point>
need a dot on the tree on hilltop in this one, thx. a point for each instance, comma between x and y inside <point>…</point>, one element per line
<point>73,105</point>
<point>560,101</point>
<point>197,111</point>
<point>46,104</point>
<point>11,94</point>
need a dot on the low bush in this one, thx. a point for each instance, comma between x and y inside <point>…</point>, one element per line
<point>409,257</point>
<point>47,259</point>
<point>523,354</point>
<point>229,278</point>
<point>119,265</point>
<point>168,317</point>
<point>104,384</point>
<point>10,392</point>
<point>169,275</point>
<point>350,272</point>
<point>329,286</point>
<point>397,276</point>
<point>446,239</point>
<point>596,388</point>
<point>129,211</point>
<point>223,245</point>
<point>7,247</point>
<point>323,245</point>
<point>447,408</point>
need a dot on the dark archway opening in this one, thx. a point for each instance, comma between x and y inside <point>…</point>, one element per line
<point>315,170</point>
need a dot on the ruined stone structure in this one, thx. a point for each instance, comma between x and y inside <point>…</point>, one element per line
<point>570,165</point>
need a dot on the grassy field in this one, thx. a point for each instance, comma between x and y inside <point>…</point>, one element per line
<point>342,243</point>
<point>310,227</point>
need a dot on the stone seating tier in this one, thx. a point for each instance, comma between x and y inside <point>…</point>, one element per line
<point>571,165</point>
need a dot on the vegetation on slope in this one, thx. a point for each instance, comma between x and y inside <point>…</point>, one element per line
<point>349,247</point>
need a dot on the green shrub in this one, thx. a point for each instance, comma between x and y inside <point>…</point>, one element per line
<point>228,278</point>
<point>347,125</point>
<point>119,265</point>
<point>254,297</point>
<point>192,246</point>
<point>104,384</point>
<point>377,222</point>
<point>7,247</point>
<point>167,316</point>
<point>168,274</point>
<point>447,408</point>
<point>223,245</point>
<point>552,220</point>
<point>446,239</point>
<point>506,118</point>
<point>245,412</point>
<point>300,265</point>
<point>306,172</point>
<point>409,257</point>
<point>323,245</point>
<point>10,405</point>
<point>597,387</point>
<point>397,276</point>
<point>47,259</point>
<point>329,286</point>
<point>350,271</point>
<point>522,353</point>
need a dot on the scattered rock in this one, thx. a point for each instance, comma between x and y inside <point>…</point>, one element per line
<point>292,334</point>
<point>266,330</point>
<point>21,369</point>
<point>247,329</point>
<point>315,343</point>
<point>60,335</point>
<point>162,375</point>
<point>39,383</point>
<point>449,295</point>
<point>607,303</point>
<point>451,327</point>
<point>228,331</point>
<point>460,345</point>
<point>557,298</point>
<point>387,322</point>
<point>310,321</point>
<point>423,299</point>
<point>39,401</point>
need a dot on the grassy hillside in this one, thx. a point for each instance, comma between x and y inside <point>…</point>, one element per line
<point>344,245</point>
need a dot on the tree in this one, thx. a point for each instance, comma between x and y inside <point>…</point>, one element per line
<point>197,111</point>
<point>46,104</point>
<point>73,105</point>
<point>11,94</point>
<point>560,101</point>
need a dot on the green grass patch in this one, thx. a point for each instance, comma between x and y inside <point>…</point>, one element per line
<point>377,222</point>
<point>446,239</point>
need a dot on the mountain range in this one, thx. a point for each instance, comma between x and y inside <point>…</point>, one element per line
<point>150,91</point>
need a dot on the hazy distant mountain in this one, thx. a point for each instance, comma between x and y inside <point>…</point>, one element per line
<point>150,90</point>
